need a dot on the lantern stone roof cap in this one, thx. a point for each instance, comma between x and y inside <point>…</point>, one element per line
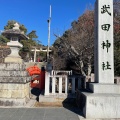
<point>14,32</point>
<point>16,26</point>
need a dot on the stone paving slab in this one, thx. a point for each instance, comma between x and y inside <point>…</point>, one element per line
<point>38,114</point>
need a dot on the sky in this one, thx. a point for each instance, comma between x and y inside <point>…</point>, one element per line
<point>33,14</point>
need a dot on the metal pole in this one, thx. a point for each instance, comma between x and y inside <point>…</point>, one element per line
<point>49,21</point>
<point>35,55</point>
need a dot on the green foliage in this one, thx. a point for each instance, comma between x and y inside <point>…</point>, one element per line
<point>43,54</point>
<point>27,45</point>
<point>3,40</point>
<point>32,35</point>
<point>10,25</point>
<point>23,28</point>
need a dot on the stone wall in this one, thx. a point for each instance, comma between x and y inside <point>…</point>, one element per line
<point>14,94</point>
<point>14,84</point>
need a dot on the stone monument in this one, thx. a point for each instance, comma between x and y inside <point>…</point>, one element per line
<point>103,100</point>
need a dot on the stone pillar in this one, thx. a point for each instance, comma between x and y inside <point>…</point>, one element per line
<point>104,100</point>
<point>92,78</point>
<point>53,85</point>
<point>66,85</point>
<point>60,85</point>
<point>104,58</point>
<point>47,83</point>
<point>52,72</point>
<point>104,63</point>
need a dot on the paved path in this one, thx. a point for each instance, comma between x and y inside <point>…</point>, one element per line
<point>39,114</point>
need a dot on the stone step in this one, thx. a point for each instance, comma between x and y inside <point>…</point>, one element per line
<point>12,66</point>
<point>51,99</point>
<point>13,73</point>
<point>104,88</point>
<point>15,79</point>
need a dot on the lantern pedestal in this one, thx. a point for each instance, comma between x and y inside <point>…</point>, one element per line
<point>14,57</point>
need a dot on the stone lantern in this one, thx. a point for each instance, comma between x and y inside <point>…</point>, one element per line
<point>14,35</point>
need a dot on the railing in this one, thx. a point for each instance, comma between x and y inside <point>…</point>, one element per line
<point>62,84</point>
<point>51,86</point>
<point>55,72</point>
<point>92,79</point>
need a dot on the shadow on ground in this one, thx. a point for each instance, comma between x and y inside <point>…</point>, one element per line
<point>70,104</point>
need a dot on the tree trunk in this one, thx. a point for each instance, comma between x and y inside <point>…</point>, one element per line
<point>89,69</point>
<point>82,66</point>
<point>89,65</point>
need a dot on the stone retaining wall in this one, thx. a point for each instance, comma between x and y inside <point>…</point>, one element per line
<point>14,84</point>
<point>14,94</point>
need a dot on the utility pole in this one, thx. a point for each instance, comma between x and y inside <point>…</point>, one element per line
<point>49,21</point>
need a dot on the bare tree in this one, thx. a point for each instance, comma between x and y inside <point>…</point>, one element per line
<point>76,44</point>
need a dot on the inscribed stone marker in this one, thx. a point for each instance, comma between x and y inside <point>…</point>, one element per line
<point>104,63</point>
